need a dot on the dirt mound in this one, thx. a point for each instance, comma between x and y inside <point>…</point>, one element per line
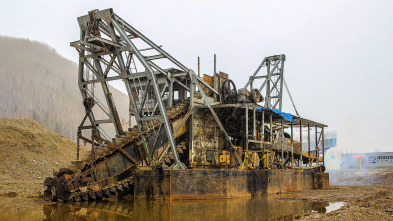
<point>29,152</point>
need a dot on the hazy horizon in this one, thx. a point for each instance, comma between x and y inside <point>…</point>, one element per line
<point>337,52</point>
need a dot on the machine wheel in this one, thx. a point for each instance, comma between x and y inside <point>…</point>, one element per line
<point>61,190</point>
<point>228,92</point>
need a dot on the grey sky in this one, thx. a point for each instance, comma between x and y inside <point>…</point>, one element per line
<point>338,53</point>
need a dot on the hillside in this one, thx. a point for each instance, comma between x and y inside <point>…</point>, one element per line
<point>37,83</point>
<point>29,153</point>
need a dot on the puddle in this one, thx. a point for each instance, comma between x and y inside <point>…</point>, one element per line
<point>229,209</point>
<point>334,206</point>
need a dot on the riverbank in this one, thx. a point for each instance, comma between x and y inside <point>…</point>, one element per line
<point>370,199</point>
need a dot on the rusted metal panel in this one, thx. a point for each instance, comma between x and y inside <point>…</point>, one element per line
<point>116,164</point>
<point>215,183</point>
<point>257,182</point>
<point>200,183</point>
<point>287,181</point>
<point>237,184</point>
<point>148,183</point>
<point>321,180</point>
<point>208,79</point>
<point>101,171</point>
<point>206,141</point>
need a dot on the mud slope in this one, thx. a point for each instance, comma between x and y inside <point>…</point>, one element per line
<point>29,152</point>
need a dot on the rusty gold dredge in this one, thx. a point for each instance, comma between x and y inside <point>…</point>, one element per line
<point>194,137</point>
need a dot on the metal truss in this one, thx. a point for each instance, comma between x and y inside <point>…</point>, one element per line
<point>273,80</point>
<point>107,48</point>
<point>110,48</point>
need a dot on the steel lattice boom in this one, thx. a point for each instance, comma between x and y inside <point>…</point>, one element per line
<point>273,80</point>
<point>108,45</point>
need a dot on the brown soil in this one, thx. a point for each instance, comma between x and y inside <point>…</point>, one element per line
<point>29,153</point>
<point>365,201</point>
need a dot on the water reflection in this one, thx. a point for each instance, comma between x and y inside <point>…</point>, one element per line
<point>334,206</point>
<point>233,209</point>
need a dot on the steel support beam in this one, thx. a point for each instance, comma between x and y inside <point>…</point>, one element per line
<point>246,130</point>
<point>316,144</point>
<point>178,164</point>
<point>309,144</point>
<point>292,153</point>
<point>282,143</point>
<point>323,145</point>
<point>263,137</point>
<point>301,145</point>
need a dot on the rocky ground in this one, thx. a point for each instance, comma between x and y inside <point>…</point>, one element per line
<point>368,197</point>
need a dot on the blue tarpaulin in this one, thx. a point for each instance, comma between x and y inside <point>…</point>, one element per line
<point>286,116</point>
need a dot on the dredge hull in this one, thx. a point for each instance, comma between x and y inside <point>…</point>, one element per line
<point>218,183</point>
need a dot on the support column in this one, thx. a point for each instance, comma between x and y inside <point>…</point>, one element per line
<point>268,79</point>
<point>281,83</point>
<point>191,148</point>
<point>246,130</point>
<point>263,137</point>
<point>215,71</point>
<point>282,144</point>
<point>301,146</point>
<point>251,81</point>
<point>170,92</point>
<point>316,144</point>
<point>271,132</point>
<point>308,139</point>
<point>292,160</point>
<point>199,67</point>
<point>254,122</point>
<point>323,145</point>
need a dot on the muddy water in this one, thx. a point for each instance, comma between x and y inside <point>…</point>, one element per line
<point>233,209</point>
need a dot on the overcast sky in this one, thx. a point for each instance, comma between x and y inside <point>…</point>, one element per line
<point>339,62</point>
